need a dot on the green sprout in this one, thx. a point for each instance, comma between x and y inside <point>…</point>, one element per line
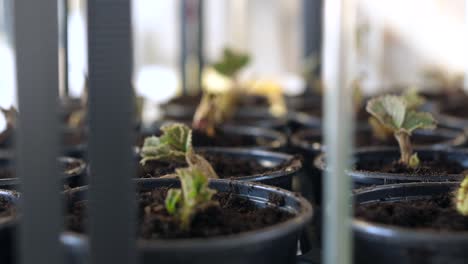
<point>393,113</point>
<point>462,197</point>
<point>231,62</point>
<point>175,145</point>
<point>195,195</point>
<point>413,101</point>
<point>222,92</point>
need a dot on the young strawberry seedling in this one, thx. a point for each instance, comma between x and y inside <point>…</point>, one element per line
<point>393,113</point>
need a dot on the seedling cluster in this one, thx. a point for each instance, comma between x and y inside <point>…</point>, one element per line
<point>175,145</point>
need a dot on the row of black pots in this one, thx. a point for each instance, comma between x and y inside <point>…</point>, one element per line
<point>308,142</point>
<point>389,244</point>
<point>281,177</point>
<point>74,171</point>
<point>232,136</point>
<point>374,243</point>
<point>274,244</point>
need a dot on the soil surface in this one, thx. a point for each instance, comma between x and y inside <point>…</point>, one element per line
<point>6,207</point>
<point>221,139</point>
<point>230,215</point>
<point>437,167</point>
<point>366,139</point>
<point>7,171</point>
<point>226,166</point>
<point>193,101</point>
<point>436,213</point>
<point>454,104</point>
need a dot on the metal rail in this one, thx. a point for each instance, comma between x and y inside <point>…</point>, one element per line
<point>36,47</point>
<point>111,106</point>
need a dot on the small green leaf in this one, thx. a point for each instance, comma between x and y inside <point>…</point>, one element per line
<point>414,161</point>
<point>195,193</point>
<point>389,110</point>
<point>172,199</point>
<point>231,62</point>
<point>413,99</point>
<point>462,197</point>
<point>415,120</point>
<point>172,146</point>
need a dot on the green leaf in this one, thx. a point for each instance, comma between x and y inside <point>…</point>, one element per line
<point>415,120</point>
<point>414,161</point>
<point>178,136</point>
<point>462,197</point>
<point>389,110</point>
<point>172,199</point>
<point>413,99</point>
<point>195,193</point>
<point>231,62</point>
<point>172,146</point>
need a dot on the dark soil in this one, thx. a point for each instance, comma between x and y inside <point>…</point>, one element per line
<point>436,213</point>
<point>73,138</point>
<point>6,208</point>
<point>7,171</point>
<point>454,104</point>
<point>226,166</point>
<point>221,139</point>
<point>317,111</point>
<point>195,100</point>
<point>366,139</point>
<point>457,110</point>
<point>436,167</point>
<point>232,215</point>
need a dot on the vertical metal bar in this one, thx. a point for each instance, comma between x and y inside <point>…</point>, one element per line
<point>465,82</point>
<point>64,12</point>
<point>337,58</point>
<point>111,106</point>
<point>312,19</point>
<point>183,45</point>
<point>36,42</point>
<point>200,40</point>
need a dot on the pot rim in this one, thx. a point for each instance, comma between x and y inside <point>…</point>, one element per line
<point>454,138</point>
<point>278,139</point>
<point>301,218</point>
<point>295,163</point>
<point>319,163</point>
<point>68,174</point>
<point>405,233</point>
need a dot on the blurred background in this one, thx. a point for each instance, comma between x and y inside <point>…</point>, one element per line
<point>170,45</point>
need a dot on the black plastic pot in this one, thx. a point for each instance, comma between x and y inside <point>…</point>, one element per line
<point>363,178</point>
<point>275,244</point>
<point>299,121</point>
<point>451,121</point>
<point>309,144</point>
<point>246,115</point>
<point>8,229</point>
<point>259,138</point>
<point>386,244</point>
<point>279,178</point>
<point>73,177</point>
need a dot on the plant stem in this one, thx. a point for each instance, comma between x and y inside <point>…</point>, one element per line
<point>406,149</point>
